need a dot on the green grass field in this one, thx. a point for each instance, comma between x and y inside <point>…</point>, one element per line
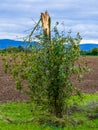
<point>18,116</point>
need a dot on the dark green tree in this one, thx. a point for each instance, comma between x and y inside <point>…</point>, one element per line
<point>48,69</point>
<point>94,51</point>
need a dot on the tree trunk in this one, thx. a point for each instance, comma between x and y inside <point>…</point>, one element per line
<point>54,101</point>
<point>46,23</point>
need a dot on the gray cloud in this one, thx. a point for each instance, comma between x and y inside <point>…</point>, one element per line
<point>79,16</point>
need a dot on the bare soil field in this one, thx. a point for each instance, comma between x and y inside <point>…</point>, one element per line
<point>9,93</point>
<point>90,80</point>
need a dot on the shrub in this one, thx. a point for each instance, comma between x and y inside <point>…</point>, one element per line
<point>48,70</point>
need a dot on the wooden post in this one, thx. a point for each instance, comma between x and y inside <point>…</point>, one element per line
<point>46,23</point>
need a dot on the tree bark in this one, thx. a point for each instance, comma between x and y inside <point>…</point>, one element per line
<point>46,23</point>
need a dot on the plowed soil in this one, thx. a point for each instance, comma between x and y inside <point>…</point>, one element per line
<point>90,80</point>
<point>9,93</point>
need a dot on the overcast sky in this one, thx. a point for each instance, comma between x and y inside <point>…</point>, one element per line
<point>78,15</point>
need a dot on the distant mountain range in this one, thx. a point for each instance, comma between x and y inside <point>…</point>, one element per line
<point>5,43</point>
<point>88,46</point>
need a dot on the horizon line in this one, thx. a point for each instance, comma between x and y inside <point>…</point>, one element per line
<point>84,41</point>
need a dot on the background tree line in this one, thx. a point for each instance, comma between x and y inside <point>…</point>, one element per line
<point>10,49</point>
<point>92,52</point>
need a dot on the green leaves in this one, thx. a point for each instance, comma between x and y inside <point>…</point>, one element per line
<point>48,69</point>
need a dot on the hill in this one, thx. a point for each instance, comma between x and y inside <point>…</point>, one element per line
<point>88,47</point>
<point>4,43</point>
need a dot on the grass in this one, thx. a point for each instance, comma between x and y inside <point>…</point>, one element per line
<point>83,115</point>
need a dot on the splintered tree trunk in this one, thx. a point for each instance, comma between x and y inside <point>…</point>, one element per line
<point>46,23</point>
<point>55,104</point>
